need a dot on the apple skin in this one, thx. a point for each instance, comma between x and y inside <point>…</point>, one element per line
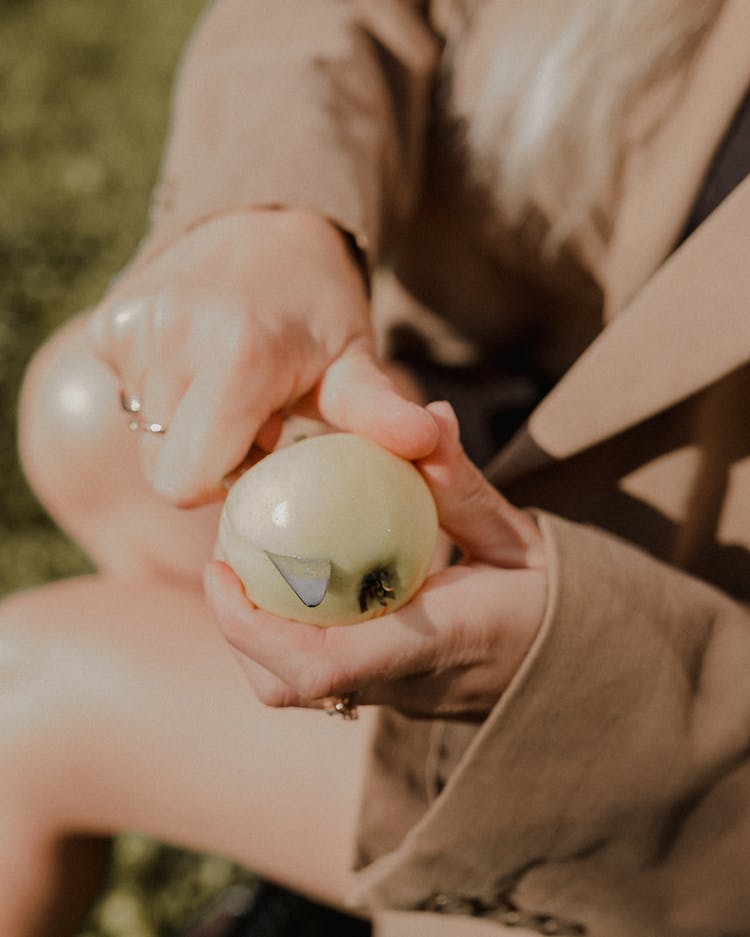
<point>338,497</point>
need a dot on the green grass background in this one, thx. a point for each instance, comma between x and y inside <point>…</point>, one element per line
<point>85,88</point>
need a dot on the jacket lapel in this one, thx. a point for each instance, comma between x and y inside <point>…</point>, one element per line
<point>686,328</point>
<point>689,323</point>
<point>667,165</point>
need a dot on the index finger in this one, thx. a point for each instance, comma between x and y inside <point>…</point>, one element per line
<point>211,433</point>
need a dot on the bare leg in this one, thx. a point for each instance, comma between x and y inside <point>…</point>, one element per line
<point>120,705</point>
<point>83,464</point>
<point>115,720</point>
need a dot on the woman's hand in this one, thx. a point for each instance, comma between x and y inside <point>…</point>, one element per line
<point>449,652</point>
<point>247,316</point>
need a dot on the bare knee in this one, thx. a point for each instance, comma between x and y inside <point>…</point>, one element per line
<point>82,463</point>
<point>68,436</point>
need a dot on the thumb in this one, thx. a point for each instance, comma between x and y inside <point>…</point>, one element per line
<point>476,515</point>
<point>356,395</point>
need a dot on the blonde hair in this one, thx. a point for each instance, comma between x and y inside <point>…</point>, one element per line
<point>554,106</point>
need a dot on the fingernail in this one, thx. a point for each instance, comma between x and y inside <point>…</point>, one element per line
<point>448,426</point>
<point>443,413</point>
<point>434,437</point>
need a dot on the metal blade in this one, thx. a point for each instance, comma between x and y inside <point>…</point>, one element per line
<point>308,579</point>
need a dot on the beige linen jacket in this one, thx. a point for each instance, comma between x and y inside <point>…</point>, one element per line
<point>609,791</point>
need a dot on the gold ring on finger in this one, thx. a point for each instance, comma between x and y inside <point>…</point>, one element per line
<point>344,706</point>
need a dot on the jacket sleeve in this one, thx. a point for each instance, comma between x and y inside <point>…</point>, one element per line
<point>316,104</point>
<point>609,791</point>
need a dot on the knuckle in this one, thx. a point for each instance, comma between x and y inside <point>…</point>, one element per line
<point>116,325</point>
<point>477,495</point>
<point>237,339</point>
<point>128,314</point>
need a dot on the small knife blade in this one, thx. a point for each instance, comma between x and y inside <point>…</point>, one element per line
<point>308,579</point>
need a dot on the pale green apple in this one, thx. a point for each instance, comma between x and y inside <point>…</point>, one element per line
<point>330,530</point>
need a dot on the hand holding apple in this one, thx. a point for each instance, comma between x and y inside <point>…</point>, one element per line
<point>242,318</point>
<point>451,650</point>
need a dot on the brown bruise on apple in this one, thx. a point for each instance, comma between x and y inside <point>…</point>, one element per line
<point>377,586</point>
